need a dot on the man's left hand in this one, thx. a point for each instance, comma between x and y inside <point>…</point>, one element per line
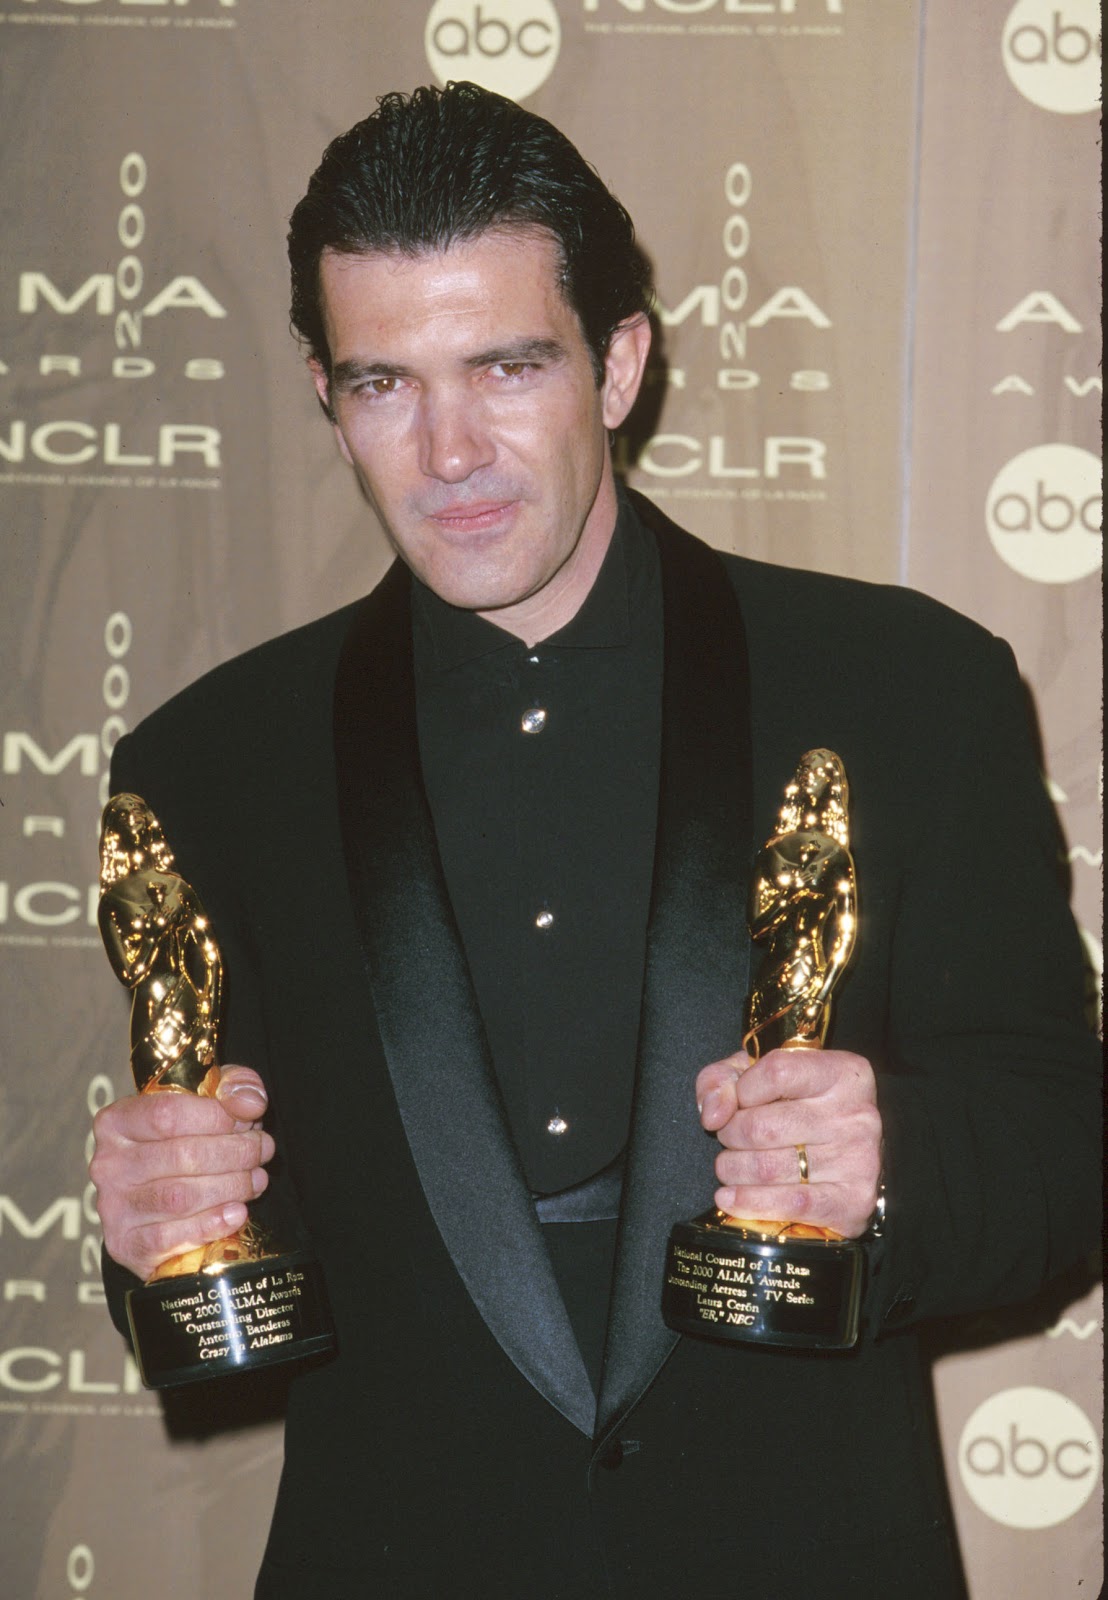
<point>822,1100</point>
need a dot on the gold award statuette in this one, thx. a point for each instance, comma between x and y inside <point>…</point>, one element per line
<point>746,1279</point>
<point>234,1304</point>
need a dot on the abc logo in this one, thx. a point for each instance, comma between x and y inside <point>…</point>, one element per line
<point>1052,53</point>
<point>1043,513</point>
<point>1029,1457</point>
<point>509,46</point>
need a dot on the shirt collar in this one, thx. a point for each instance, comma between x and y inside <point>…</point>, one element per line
<point>447,636</point>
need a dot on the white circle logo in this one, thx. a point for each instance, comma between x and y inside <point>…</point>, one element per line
<point>1029,1457</point>
<point>1044,513</point>
<point>1052,53</point>
<point>508,46</point>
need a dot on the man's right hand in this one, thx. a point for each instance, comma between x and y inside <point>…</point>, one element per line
<point>174,1171</point>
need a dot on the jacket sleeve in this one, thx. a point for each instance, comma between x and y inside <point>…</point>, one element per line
<point>990,1097</point>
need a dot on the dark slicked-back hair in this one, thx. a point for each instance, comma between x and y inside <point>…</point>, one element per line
<point>441,165</point>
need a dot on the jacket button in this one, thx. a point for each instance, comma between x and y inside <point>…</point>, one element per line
<point>613,1456</point>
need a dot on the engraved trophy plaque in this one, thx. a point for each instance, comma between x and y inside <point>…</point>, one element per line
<point>744,1279</point>
<point>236,1303</point>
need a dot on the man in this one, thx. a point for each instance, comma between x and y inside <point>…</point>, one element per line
<point>476,849</point>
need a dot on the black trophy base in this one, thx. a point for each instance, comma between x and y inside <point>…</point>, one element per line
<point>730,1284</point>
<point>255,1314</point>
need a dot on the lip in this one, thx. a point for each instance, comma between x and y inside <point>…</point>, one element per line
<point>478,516</point>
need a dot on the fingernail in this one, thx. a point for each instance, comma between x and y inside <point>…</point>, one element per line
<point>711,1103</point>
<point>244,1094</point>
<point>234,1214</point>
<point>725,1199</point>
<point>258,1179</point>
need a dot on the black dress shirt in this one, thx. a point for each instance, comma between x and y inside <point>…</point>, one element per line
<point>541,768</point>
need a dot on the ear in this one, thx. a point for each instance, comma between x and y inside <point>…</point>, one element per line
<point>624,365</point>
<point>323,390</point>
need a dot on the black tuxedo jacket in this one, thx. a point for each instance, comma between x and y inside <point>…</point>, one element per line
<point>455,1445</point>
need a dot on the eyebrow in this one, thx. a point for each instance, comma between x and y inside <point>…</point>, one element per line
<point>346,373</point>
<point>519,350</point>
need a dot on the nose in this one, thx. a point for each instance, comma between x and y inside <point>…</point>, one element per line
<point>454,440</point>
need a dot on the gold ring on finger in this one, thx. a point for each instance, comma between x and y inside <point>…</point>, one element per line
<point>802,1157</point>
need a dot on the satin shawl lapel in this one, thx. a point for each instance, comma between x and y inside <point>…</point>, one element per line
<point>426,1010</point>
<point>697,945</point>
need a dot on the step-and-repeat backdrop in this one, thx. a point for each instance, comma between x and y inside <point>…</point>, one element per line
<point>874,224</point>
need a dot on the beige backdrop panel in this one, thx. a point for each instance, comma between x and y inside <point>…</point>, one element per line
<point>1005,524</point>
<point>171,496</point>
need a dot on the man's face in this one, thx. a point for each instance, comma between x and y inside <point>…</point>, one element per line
<point>465,401</point>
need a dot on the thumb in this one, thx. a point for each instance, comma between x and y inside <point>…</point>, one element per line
<point>242,1094</point>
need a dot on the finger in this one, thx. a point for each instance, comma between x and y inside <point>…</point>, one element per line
<point>780,1202</point>
<point>801,1074</point>
<point>242,1094</point>
<point>781,1125</point>
<point>845,1207</point>
<point>177,1198</point>
<point>146,1247</point>
<point>716,1086</point>
<point>139,1118</point>
<point>212,1155</point>
<point>787,1075</point>
<point>758,1168</point>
